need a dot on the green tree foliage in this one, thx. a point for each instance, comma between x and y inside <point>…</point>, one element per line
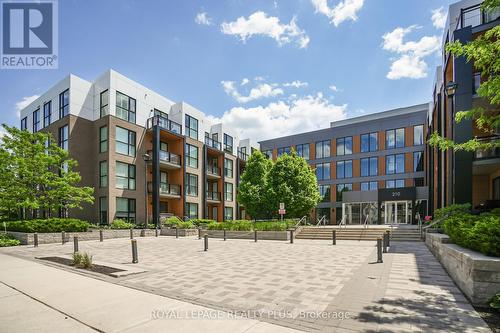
<point>484,53</point>
<point>35,173</point>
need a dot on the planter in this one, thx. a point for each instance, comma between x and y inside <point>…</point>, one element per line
<point>263,235</point>
<point>182,232</point>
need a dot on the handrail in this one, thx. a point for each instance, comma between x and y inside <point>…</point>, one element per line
<point>433,223</point>
<point>304,218</point>
<point>343,221</point>
<point>366,222</point>
<point>419,219</point>
<point>322,219</point>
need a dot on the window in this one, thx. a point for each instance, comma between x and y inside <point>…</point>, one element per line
<point>394,164</point>
<point>323,171</point>
<point>419,182</point>
<point>103,139</point>
<point>268,153</point>
<point>228,168</point>
<point>303,151</point>
<point>104,103</point>
<point>125,209</point>
<point>103,210</point>
<point>344,146</point>
<point>103,174</point>
<point>344,169</point>
<point>125,141</point>
<point>191,210</point>
<point>322,149</point>
<point>369,142</point>
<point>47,113</point>
<point>418,135</point>
<point>284,150</point>
<point>476,82</point>
<point>395,138</point>
<point>418,161</point>
<point>228,213</point>
<point>63,137</point>
<point>341,188</point>
<point>191,185</point>
<point>398,183</point>
<point>228,143</point>
<point>324,193</point>
<point>125,107</point>
<point>369,166</point>
<point>228,192</point>
<point>36,120</point>
<point>369,186</point>
<point>191,127</point>
<point>191,156</point>
<point>125,176</point>
<point>24,124</point>
<point>64,104</point>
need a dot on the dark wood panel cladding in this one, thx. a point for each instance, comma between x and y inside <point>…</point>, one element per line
<point>356,146</point>
<point>381,140</point>
<point>409,136</point>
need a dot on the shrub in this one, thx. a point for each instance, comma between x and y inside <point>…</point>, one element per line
<point>48,225</point>
<point>176,222</point>
<point>120,224</point>
<point>197,222</point>
<point>77,259</point>
<point>8,240</point>
<point>271,226</point>
<point>87,261</point>
<point>185,225</point>
<point>452,210</point>
<point>246,225</point>
<point>495,302</point>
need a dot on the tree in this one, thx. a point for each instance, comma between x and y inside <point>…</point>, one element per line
<point>292,181</point>
<point>484,52</point>
<point>252,188</point>
<point>35,174</point>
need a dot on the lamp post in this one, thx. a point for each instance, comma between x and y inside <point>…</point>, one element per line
<point>146,158</point>
<point>450,90</point>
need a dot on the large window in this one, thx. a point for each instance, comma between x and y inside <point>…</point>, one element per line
<point>284,150</point>
<point>191,184</point>
<point>398,183</point>
<point>324,193</point>
<point>228,213</point>
<point>228,168</point>
<point>369,142</point>
<point>63,137</point>
<point>369,166</point>
<point>103,174</point>
<point>303,151</point>
<point>344,169</point>
<point>341,188</point>
<point>395,138</point>
<point>103,139</point>
<point>323,149</point>
<point>104,103</point>
<point>125,209</point>
<point>394,164</point>
<point>191,156</point>
<point>418,135</point>
<point>64,104</point>
<point>36,120</point>
<point>228,192</point>
<point>47,113</point>
<point>191,127</point>
<point>125,141</point>
<point>268,153</point>
<point>369,186</point>
<point>24,123</point>
<point>125,107</point>
<point>323,171</point>
<point>418,161</point>
<point>228,143</point>
<point>125,176</point>
<point>103,210</point>
<point>191,210</point>
<point>344,146</point>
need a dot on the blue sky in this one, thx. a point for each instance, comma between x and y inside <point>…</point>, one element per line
<point>307,61</point>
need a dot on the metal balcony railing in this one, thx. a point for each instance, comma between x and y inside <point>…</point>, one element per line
<point>213,170</point>
<point>164,123</point>
<point>213,196</point>
<point>228,148</point>
<point>489,153</point>
<point>166,189</point>
<point>167,156</point>
<point>242,156</point>
<point>213,143</point>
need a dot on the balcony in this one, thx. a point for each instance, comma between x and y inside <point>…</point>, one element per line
<point>213,143</point>
<point>475,16</point>
<point>228,148</point>
<point>493,152</point>
<point>167,190</point>
<point>213,172</point>
<point>242,156</point>
<point>168,159</point>
<point>213,196</point>
<point>165,124</point>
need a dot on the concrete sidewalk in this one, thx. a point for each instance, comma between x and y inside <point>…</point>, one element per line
<point>38,298</point>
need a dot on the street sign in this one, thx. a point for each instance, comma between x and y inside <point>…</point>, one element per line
<point>282,211</point>
<point>282,205</point>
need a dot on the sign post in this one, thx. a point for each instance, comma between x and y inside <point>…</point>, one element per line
<point>282,210</point>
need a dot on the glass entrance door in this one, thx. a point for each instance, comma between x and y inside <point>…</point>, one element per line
<point>396,212</point>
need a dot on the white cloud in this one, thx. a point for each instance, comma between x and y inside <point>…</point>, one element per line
<point>410,63</point>
<point>344,10</point>
<point>24,103</point>
<point>259,23</point>
<point>333,88</point>
<point>282,118</point>
<point>244,81</point>
<point>295,84</point>
<point>203,19</point>
<point>262,90</point>
<point>438,18</point>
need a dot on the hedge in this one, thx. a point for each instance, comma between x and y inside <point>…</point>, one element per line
<point>246,225</point>
<point>8,240</point>
<point>121,224</point>
<point>48,225</point>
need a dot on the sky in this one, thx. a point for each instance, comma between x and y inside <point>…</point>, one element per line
<point>266,68</point>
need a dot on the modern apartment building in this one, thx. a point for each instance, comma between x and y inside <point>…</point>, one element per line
<point>145,155</point>
<point>369,168</point>
<point>461,177</point>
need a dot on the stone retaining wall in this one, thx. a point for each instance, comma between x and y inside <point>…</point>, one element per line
<point>477,275</point>
<point>182,232</point>
<point>264,235</point>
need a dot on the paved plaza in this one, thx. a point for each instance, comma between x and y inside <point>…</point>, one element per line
<point>308,285</point>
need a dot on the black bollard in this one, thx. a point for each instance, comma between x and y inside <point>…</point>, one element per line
<point>101,235</point>
<point>156,232</point>
<point>176,232</point>
<point>199,232</point>
<point>135,258</point>
<point>379,250</point>
<point>334,237</point>
<point>291,236</point>
<point>75,244</point>
<point>386,241</point>
<point>131,233</point>
<point>225,235</point>
<point>35,240</point>
<point>205,243</point>
<point>255,236</point>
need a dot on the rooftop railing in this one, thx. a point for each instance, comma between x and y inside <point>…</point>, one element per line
<point>164,123</point>
<point>492,152</point>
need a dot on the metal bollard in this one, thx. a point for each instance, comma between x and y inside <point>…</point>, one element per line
<point>35,240</point>
<point>388,238</point>
<point>379,250</point>
<point>176,232</point>
<point>205,243</point>
<point>101,235</point>
<point>225,235</point>
<point>135,258</point>
<point>334,237</point>
<point>63,237</point>
<point>131,233</point>
<point>255,235</point>
<point>386,241</point>
<point>75,244</point>
<point>156,232</point>
<point>291,236</point>
<point>199,232</point>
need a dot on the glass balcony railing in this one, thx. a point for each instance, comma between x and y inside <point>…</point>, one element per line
<point>228,148</point>
<point>164,123</point>
<point>242,156</point>
<point>213,170</point>
<point>213,143</point>
<point>213,196</point>
<point>166,189</point>
<point>168,157</point>
<point>492,152</point>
